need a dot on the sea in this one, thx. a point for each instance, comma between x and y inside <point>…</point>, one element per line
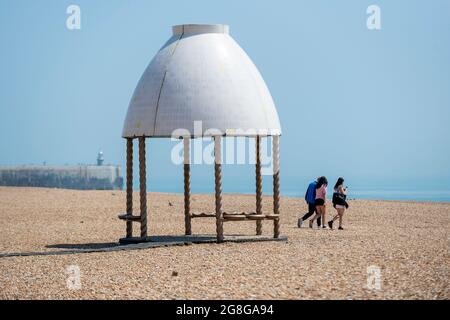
<point>402,195</point>
<point>290,191</point>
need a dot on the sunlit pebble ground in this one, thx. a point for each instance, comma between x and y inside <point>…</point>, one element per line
<point>408,241</point>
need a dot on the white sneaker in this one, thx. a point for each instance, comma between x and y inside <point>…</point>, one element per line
<point>300,222</point>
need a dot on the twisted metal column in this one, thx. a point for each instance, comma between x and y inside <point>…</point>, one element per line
<point>187,187</point>
<point>258,185</point>
<point>218,187</point>
<point>129,185</point>
<point>276,184</point>
<point>143,187</point>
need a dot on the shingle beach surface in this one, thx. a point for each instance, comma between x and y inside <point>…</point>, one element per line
<point>407,241</point>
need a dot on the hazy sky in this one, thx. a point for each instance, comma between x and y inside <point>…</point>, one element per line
<point>370,105</point>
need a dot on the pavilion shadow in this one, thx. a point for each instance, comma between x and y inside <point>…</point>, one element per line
<point>167,239</point>
<point>149,242</point>
<point>82,246</point>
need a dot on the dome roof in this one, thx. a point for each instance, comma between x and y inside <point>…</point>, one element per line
<point>201,74</point>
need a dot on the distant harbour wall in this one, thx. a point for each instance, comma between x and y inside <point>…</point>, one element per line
<point>82,177</point>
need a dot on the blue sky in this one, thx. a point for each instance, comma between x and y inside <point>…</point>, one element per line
<point>372,106</point>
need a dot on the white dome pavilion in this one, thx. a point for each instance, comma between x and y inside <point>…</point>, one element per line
<point>201,75</point>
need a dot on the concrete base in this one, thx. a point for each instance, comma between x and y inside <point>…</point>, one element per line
<point>159,241</point>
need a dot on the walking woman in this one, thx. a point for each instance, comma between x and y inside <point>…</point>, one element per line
<point>339,202</point>
<point>321,196</point>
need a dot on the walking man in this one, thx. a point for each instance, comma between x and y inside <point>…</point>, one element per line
<point>310,198</point>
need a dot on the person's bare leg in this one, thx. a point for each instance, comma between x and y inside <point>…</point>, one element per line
<point>311,221</point>
<point>336,216</point>
<point>341,214</point>
<point>324,211</point>
<point>317,215</point>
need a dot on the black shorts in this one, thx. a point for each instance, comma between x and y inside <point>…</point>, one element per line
<point>320,202</point>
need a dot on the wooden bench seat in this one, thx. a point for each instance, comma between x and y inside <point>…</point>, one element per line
<point>129,217</point>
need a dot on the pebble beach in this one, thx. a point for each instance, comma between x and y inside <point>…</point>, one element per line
<point>406,243</point>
